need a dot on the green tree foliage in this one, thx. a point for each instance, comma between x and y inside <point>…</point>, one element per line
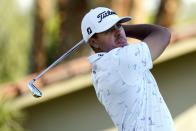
<point>14,41</point>
<point>10,119</point>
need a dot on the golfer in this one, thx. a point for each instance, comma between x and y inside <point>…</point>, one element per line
<point>121,72</point>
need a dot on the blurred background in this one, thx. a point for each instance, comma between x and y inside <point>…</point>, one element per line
<point>34,33</point>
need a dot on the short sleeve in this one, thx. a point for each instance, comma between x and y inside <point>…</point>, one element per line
<point>133,60</point>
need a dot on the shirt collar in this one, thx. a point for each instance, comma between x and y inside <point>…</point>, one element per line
<point>95,57</point>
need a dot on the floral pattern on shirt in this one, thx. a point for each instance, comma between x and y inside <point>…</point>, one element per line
<point>125,86</point>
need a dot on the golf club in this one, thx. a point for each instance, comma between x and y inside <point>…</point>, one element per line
<point>33,89</point>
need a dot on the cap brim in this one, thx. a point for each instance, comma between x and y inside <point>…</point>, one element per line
<point>120,20</point>
<point>124,19</point>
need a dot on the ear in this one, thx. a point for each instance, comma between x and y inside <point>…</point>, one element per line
<point>93,42</point>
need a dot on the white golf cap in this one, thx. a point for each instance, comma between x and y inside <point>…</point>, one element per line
<point>99,20</point>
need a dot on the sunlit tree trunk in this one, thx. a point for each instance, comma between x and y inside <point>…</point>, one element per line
<point>133,8</point>
<point>167,12</point>
<point>121,7</point>
<point>137,12</point>
<point>71,14</point>
<point>38,51</point>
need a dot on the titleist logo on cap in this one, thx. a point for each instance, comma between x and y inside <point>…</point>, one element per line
<point>104,14</point>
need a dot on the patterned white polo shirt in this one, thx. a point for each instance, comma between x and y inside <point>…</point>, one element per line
<point>128,91</point>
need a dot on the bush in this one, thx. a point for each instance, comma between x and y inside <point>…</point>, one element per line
<point>10,119</point>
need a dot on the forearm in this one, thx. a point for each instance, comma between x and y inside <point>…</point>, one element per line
<point>141,31</point>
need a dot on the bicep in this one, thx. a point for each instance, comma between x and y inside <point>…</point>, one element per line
<point>157,41</point>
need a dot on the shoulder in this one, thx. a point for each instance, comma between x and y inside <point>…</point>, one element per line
<point>135,49</point>
<point>137,54</point>
<point>137,45</point>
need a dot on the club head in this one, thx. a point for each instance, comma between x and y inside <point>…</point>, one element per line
<point>36,93</point>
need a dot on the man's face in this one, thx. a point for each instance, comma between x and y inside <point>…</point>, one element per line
<point>112,38</point>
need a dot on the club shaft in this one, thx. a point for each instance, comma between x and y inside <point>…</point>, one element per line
<point>59,59</point>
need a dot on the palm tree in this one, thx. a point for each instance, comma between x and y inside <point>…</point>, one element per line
<point>38,50</point>
<point>133,8</point>
<point>71,13</point>
<point>167,12</point>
